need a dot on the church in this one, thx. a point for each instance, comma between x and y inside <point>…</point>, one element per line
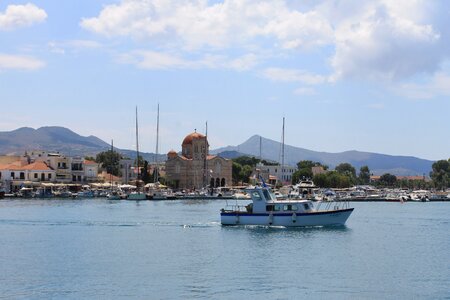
<point>195,168</point>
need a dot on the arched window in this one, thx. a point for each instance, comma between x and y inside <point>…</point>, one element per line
<point>217,182</point>
<point>222,182</point>
<point>211,183</point>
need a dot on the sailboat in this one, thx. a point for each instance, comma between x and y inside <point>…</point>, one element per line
<point>138,194</point>
<point>113,194</point>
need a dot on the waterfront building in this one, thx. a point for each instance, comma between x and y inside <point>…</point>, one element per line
<point>274,174</point>
<point>195,168</point>
<point>126,167</point>
<point>20,174</point>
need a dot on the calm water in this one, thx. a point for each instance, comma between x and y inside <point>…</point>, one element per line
<point>99,249</point>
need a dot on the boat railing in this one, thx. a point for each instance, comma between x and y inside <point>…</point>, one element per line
<point>335,204</point>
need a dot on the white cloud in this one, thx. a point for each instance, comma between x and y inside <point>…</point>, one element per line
<point>373,39</point>
<point>19,62</point>
<point>196,24</point>
<point>305,91</point>
<point>17,16</point>
<point>438,85</point>
<point>388,41</point>
<point>293,75</point>
<point>154,60</point>
<point>73,45</point>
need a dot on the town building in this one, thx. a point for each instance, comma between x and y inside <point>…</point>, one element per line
<point>42,166</point>
<point>194,168</point>
<point>274,174</point>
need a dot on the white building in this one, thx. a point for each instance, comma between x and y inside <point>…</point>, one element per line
<point>275,174</point>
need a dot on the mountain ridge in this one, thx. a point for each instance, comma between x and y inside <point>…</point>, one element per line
<point>378,163</point>
<point>64,140</point>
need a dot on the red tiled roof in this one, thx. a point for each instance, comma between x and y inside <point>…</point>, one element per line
<point>89,162</point>
<point>37,166</point>
<point>193,136</point>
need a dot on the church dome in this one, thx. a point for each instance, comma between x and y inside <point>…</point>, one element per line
<point>172,154</point>
<point>193,136</point>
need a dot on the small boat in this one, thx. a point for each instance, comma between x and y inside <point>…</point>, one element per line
<point>266,210</point>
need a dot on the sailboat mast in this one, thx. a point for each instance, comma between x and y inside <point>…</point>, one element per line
<point>205,156</point>
<point>111,168</point>
<point>137,146</point>
<point>282,154</point>
<point>157,148</point>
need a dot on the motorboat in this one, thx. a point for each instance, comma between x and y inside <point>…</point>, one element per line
<point>266,210</point>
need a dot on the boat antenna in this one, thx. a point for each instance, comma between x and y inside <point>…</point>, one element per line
<point>157,148</point>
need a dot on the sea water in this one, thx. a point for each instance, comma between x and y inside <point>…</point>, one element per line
<point>100,249</point>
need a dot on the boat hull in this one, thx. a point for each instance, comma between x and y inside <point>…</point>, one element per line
<point>321,218</point>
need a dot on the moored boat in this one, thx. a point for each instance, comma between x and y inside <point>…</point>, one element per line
<point>266,210</point>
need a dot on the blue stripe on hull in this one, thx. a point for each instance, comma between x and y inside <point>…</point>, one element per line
<point>285,214</point>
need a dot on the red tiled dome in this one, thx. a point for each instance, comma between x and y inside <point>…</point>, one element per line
<point>193,136</point>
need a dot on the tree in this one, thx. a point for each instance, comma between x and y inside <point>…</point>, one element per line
<point>388,180</point>
<point>236,171</point>
<point>364,175</point>
<point>346,169</point>
<point>110,161</point>
<point>145,176</point>
<point>89,158</point>
<point>245,173</point>
<point>301,174</point>
<point>441,174</point>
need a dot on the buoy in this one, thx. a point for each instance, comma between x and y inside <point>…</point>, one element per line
<point>294,217</point>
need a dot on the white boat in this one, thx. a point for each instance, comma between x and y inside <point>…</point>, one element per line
<point>266,210</point>
<point>137,196</point>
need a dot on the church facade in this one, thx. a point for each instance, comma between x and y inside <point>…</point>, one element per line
<point>195,168</point>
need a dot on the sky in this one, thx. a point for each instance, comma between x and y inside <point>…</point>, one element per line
<point>347,75</point>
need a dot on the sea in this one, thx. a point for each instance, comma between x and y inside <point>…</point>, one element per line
<point>100,249</point>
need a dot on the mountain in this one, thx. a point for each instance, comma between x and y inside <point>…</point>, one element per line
<point>378,163</point>
<point>58,139</point>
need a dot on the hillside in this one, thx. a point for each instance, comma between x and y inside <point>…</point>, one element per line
<point>378,163</point>
<point>58,139</point>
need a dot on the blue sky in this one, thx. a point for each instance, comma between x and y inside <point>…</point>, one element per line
<point>365,75</point>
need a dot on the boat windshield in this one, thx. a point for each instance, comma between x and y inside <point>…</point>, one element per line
<point>268,195</point>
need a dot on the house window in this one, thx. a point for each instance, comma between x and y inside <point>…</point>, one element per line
<point>22,175</point>
<point>12,175</point>
<point>49,176</point>
<point>35,175</point>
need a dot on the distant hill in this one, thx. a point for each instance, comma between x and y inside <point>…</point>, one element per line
<point>65,141</point>
<point>58,139</point>
<point>378,163</point>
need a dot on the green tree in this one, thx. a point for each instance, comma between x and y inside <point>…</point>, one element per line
<point>441,174</point>
<point>109,160</point>
<point>346,169</point>
<point>364,175</point>
<point>145,176</point>
<point>301,174</point>
<point>245,173</point>
<point>236,171</point>
<point>388,180</point>
<point>91,158</point>
<point>321,180</point>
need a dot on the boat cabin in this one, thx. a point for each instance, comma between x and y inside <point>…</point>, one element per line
<point>265,201</point>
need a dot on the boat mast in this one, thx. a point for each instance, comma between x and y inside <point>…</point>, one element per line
<point>137,150</point>
<point>157,146</point>
<point>111,168</point>
<point>282,154</point>
<point>260,149</point>
<point>205,157</point>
